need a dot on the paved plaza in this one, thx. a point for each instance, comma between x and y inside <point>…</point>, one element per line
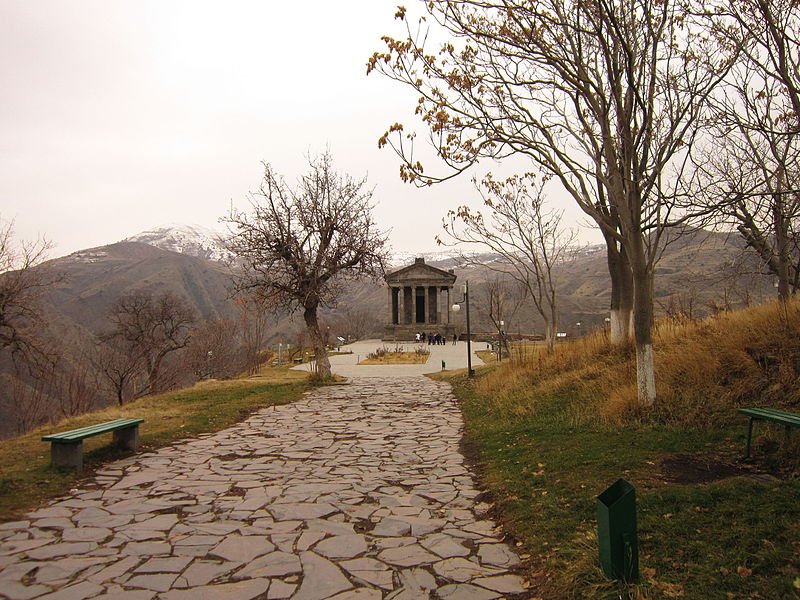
<point>355,492</point>
<point>453,355</point>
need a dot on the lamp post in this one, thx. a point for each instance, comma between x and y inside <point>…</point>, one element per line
<point>456,308</point>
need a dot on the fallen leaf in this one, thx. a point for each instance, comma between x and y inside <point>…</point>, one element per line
<point>724,571</point>
<point>744,571</point>
<point>649,573</point>
<point>668,516</point>
<point>671,590</point>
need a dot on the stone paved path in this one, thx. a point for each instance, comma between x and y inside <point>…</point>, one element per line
<point>356,492</point>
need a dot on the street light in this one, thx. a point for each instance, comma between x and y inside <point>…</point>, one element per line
<point>456,308</point>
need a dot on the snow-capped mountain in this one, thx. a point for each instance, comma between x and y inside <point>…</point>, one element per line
<point>203,242</point>
<point>194,240</point>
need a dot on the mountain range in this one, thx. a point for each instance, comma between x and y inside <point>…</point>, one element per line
<point>696,272</point>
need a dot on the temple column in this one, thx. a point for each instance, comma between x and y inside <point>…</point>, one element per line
<point>433,304</point>
<point>390,306</point>
<point>401,306</point>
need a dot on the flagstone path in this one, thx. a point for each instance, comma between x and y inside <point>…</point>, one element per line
<point>355,492</point>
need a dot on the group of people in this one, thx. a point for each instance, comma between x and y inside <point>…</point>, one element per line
<point>433,339</point>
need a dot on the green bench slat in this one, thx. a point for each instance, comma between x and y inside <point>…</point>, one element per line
<point>782,417</point>
<point>76,435</point>
<point>772,414</point>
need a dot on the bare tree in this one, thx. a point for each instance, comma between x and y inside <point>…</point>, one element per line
<point>216,350</point>
<point>23,282</point>
<point>504,297</point>
<point>149,328</point>
<point>73,384</point>
<point>751,169</point>
<point>604,96</point>
<point>298,246</point>
<point>524,233</point>
<point>356,324</point>
<point>30,402</point>
<point>121,365</point>
<point>252,325</point>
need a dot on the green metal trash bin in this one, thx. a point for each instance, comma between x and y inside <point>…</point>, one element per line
<point>616,531</point>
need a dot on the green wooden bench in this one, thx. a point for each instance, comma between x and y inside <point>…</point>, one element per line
<point>66,448</point>
<point>787,419</point>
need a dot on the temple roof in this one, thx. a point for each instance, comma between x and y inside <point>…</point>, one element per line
<point>419,272</point>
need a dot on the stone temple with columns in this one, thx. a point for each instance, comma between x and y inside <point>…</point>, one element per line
<point>419,300</point>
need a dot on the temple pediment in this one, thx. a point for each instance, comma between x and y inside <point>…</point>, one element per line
<point>420,272</point>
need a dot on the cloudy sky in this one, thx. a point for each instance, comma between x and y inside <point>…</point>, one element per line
<point>120,115</point>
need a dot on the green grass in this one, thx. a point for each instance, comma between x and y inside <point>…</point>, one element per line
<point>27,480</point>
<point>738,537</point>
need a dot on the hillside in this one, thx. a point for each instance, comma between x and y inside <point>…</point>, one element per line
<point>96,277</point>
<point>550,432</point>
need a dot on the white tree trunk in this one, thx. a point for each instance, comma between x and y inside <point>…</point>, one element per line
<point>621,325</point>
<point>645,374</point>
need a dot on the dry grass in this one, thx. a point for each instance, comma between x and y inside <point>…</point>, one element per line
<point>703,369</point>
<point>26,479</point>
<point>397,358</point>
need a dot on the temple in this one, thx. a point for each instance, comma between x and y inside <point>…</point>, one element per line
<point>419,300</point>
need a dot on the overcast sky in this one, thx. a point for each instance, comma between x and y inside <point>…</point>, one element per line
<point>120,115</point>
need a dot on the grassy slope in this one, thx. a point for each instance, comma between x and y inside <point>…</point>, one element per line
<point>550,433</point>
<point>26,479</point>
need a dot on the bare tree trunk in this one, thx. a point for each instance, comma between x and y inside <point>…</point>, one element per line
<point>619,269</point>
<point>642,273</point>
<point>782,248</point>
<point>321,352</point>
<point>550,334</point>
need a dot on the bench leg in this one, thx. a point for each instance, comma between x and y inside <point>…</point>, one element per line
<point>127,438</point>
<point>749,435</point>
<point>67,455</point>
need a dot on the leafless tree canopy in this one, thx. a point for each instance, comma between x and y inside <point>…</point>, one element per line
<point>23,281</point>
<point>602,95</point>
<point>750,171</point>
<point>298,246</point>
<point>524,233</point>
<point>145,330</point>
<point>217,350</point>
